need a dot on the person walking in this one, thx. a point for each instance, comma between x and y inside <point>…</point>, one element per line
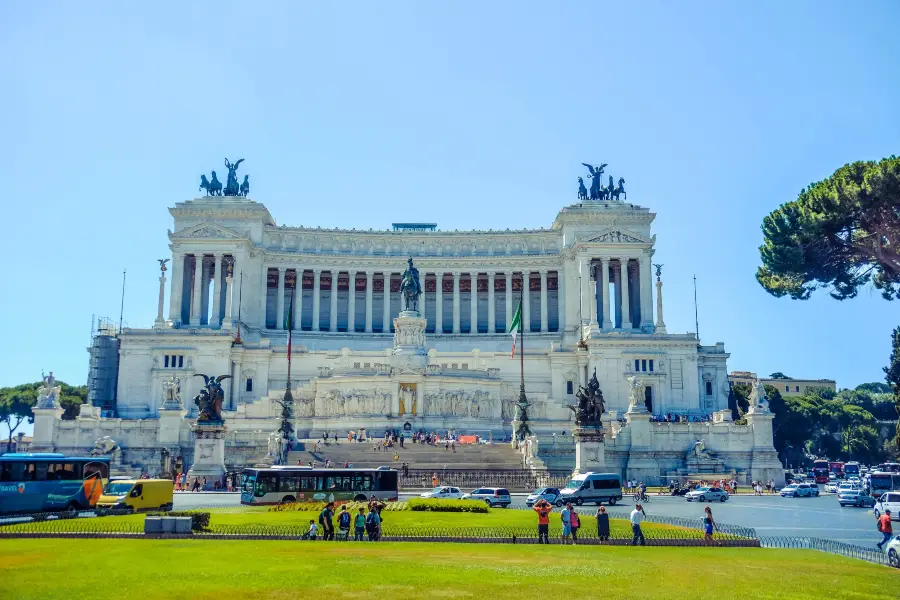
<point>359,525</point>
<point>543,509</point>
<point>637,515</point>
<point>566,518</point>
<point>574,524</point>
<point>311,532</point>
<point>884,526</point>
<point>325,520</point>
<point>709,524</point>
<point>373,525</point>
<point>602,524</point>
<point>434,480</point>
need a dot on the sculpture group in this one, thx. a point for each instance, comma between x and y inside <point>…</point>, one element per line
<point>598,191</point>
<point>213,186</point>
<point>591,406</point>
<point>49,392</point>
<point>209,400</point>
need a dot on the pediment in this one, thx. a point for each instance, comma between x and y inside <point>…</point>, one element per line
<point>207,231</point>
<point>617,235</point>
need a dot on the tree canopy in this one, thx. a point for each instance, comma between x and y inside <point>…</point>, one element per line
<point>16,403</point>
<point>842,232</point>
<point>892,375</point>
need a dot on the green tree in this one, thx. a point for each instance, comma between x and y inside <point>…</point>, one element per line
<point>739,400</point>
<point>892,375</point>
<point>842,233</point>
<point>874,387</point>
<point>778,375</point>
<point>70,399</point>
<point>15,408</point>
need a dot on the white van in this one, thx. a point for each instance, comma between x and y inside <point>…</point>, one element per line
<point>888,501</point>
<point>592,487</point>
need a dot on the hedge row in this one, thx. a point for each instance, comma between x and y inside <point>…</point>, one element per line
<point>434,505</point>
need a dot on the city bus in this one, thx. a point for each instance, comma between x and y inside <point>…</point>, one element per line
<point>837,468</point>
<point>49,482</point>
<point>888,468</point>
<point>880,483</point>
<point>277,485</point>
<point>820,471</point>
<point>851,469</point>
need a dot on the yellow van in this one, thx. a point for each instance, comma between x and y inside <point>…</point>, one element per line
<point>136,495</point>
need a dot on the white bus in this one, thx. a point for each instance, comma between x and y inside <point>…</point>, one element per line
<point>277,485</point>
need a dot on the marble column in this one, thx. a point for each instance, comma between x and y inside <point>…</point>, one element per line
<point>369,276</point>
<point>492,312</point>
<point>646,292</point>
<point>351,301</point>
<point>473,308</point>
<point>215,320</point>
<point>386,313</point>
<point>228,323</point>
<point>333,321</point>
<point>422,280</point>
<point>298,300</point>
<point>456,275</point>
<point>439,302</point>
<point>626,304</point>
<point>617,290</point>
<point>604,290</point>
<point>584,273</point>
<point>594,294</point>
<point>509,301</point>
<point>544,320</point>
<point>526,301</point>
<point>279,304</point>
<point>160,317</point>
<point>317,300</point>
<point>175,290</point>
<point>660,323</point>
<point>196,296</point>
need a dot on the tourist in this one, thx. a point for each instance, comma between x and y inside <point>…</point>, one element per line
<point>299,463</point>
<point>884,526</point>
<point>401,440</point>
<point>453,446</point>
<point>204,483</point>
<point>771,486</point>
<point>602,524</point>
<point>196,484</point>
<point>325,521</point>
<point>566,517</point>
<point>373,525</point>
<point>311,532</point>
<point>435,481</point>
<point>574,524</point>
<point>637,515</point>
<point>708,525</point>
<point>543,509</point>
<point>344,523</point>
<point>359,525</point>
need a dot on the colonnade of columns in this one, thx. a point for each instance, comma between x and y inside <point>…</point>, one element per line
<point>283,279</point>
<point>628,303</point>
<point>192,301</point>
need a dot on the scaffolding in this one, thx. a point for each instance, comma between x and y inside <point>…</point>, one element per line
<point>103,373</point>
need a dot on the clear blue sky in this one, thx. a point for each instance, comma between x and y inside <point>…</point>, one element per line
<point>471,115</point>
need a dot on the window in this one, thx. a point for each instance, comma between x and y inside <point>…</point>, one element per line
<point>644,364</point>
<point>606,484</point>
<point>137,490</point>
<point>709,388</point>
<point>63,472</point>
<point>287,483</point>
<point>570,388</point>
<point>266,483</point>
<point>637,364</point>
<point>180,361</point>
<point>249,387</point>
<point>796,388</point>
<point>787,388</point>
<point>651,365</point>
<point>166,361</point>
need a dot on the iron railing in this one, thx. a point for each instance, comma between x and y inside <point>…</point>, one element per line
<point>511,479</point>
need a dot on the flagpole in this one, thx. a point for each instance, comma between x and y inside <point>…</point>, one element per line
<point>522,350</point>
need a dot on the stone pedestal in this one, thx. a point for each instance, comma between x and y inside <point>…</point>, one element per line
<point>209,451</point>
<point>409,352</point>
<point>170,422</point>
<point>45,420</point>
<point>642,463</point>
<point>590,450</point>
<point>764,463</point>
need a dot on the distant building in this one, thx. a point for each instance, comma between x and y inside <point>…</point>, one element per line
<point>786,387</point>
<point>20,443</point>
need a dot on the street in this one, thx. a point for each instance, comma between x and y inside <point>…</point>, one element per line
<point>819,517</point>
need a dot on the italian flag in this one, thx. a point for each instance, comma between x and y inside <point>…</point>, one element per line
<point>515,327</point>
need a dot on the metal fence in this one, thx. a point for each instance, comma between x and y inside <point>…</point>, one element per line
<point>833,547</point>
<point>515,479</point>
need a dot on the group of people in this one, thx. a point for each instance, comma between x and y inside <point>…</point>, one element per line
<point>571,523</point>
<point>759,486</point>
<point>228,483</point>
<point>365,525</point>
<point>676,418</point>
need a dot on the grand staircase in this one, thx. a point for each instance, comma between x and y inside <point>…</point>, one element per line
<point>418,456</point>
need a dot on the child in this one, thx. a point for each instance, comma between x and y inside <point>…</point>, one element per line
<point>311,532</point>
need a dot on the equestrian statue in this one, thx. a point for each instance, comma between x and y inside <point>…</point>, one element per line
<point>410,286</point>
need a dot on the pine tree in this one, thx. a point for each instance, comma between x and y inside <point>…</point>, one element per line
<point>892,376</point>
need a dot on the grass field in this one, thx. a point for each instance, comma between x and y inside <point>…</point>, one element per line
<point>204,569</point>
<point>248,519</point>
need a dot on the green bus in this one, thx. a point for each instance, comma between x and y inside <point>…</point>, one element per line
<point>277,485</point>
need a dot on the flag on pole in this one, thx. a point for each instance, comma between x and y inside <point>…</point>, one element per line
<point>516,327</point>
<point>289,324</point>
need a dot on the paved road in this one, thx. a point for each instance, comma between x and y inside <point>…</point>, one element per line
<point>769,515</point>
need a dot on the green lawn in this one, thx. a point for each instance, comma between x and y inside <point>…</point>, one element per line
<point>259,520</point>
<point>205,569</point>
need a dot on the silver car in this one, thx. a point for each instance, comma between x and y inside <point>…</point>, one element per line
<point>707,494</point>
<point>491,496</point>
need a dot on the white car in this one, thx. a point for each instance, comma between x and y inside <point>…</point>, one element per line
<point>798,489</point>
<point>888,501</point>
<point>707,494</point>
<point>831,487</point>
<point>893,551</point>
<point>443,492</point>
<point>847,487</point>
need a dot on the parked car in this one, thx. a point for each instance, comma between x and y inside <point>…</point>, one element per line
<point>893,552</point>
<point>831,487</point>
<point>707,494</point>
<point>855,498</point>
<point>814,488</point>
<point>847,487</point>
<point>591,487</point>
<point>550,494</point>
<point>888,501</point>
<point>443,492</point>
<point>797,489</point>
<point>852,479</point>
<point>491,496</point>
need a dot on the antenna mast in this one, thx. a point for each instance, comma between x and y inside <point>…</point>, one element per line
<point>696,318</point>
<point>122,305</point>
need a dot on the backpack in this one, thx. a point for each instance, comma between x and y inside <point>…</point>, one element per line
<point>370,521</point>
<point>344,520</point>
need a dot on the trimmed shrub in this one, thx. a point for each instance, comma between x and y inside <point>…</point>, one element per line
<point>353,507</point>
<point>199,520</point>
<point>433,505</point>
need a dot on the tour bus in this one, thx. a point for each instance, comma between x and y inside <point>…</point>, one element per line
<point>888,468</point>
<point>837,468</point>
<point>282,484</point>
<point>851,469</point>
<point>48,482</point>
<point>880,483</point>
<point>820,471</point>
